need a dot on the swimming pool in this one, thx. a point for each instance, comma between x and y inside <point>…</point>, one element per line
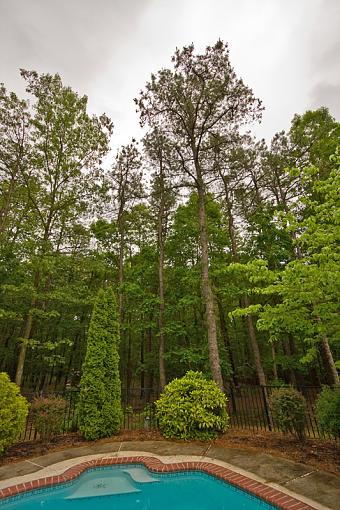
<point>133,487</point>
<point>175,484</point>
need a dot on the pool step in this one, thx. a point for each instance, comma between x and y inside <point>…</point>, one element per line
<point>106,485</point>
<point>140,475</point>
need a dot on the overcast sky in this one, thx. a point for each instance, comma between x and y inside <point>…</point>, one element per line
<point>287,51</point>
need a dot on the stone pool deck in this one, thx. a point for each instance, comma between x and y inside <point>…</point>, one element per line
<point>318,489</point>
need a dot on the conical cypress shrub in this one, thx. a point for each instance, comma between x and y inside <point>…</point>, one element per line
<point>99,408</point>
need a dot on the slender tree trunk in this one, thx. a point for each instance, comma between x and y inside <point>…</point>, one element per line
<point>160,231</point>
<point>299,377</point>
<point>70,360</point>
<point>232,236</point>
<point>129,359</point>
<point>26,334</point>
<point>29,320</point>
<point>257,359</point>
<point>315,376</point>
<point>249,319</point>
<point>149,378</point>
<point>275,374</point>
<point>124,336</point>
<point>226,340</point>
<point>162,373</point>
<point>142,372</point>
<point>286,345</point>
<point>254,345</point>
<point>245,300</point>
<point>23,346</point>
<point>121,272</point>
<point>208,297</point>
<point>328,361</point>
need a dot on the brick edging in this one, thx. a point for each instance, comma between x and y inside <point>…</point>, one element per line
<point>268,494</point>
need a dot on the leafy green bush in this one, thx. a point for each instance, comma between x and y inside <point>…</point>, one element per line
<point>48,416</point>
<point>99,408</point>
<point>192,408</point>
<point>289,411</point>
<point>13,412</point>
<point>327,411</point>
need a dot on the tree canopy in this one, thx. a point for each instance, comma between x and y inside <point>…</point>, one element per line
<point>223,250</point>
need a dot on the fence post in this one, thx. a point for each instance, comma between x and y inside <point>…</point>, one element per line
<point>266,407</point>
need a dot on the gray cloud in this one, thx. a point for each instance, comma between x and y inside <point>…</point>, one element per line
<point>287,51</point>
<point>72,37</point>
<point>326,94</point>
<point>324,58</point>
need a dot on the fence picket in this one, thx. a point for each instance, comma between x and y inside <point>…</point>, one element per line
<point>247,407</point>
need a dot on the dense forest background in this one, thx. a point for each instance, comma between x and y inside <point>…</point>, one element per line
<point>223,251</point>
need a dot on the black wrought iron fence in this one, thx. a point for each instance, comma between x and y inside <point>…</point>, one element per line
<point>138,411</point>
<point>248,409</point>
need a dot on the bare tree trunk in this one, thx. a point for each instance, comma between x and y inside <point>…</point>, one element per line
<point>328,361</point>
<point>258,363</point>
<point>249,319</point>
<point>286,345</point>
<point>149,374</point>
<point>23,346</point>
<point>275,374</point>
<point>254,345</point>
<point>29,320</point>
<point>208,297</point>
<point>232,235</point>
<point>226,340</point>
<point>121,274</point>
<point>142,372</point>
<point>162,373</point>
<point>26,334</point>
<point>129,359</point>
<point>244,301</point>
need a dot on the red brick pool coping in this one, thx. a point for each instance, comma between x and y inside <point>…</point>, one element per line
<point>268,494</point>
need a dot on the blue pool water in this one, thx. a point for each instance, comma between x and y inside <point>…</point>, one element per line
<point>133,487</point>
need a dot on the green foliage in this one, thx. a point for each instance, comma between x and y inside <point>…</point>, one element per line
<point>50,152</point>
<point>272,222</point>
<point>289,409</point>
<point>13,412</point>
<point>192,408</point>
<point>305,294</point>
<point>327,411</point>
<point>99,407</point>
<point>48,416</point>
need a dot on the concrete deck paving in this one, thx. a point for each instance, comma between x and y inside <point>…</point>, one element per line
<point>316,488</point>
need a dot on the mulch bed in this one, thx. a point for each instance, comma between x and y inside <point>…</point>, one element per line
<point>318,453</point>
<point>321,454</point>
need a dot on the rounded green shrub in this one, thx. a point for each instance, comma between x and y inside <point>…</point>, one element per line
<point>327,410</point>
<point>99,408</point>
<point>289,411</point>
<point>13,412</point>
<point>49,416</point>
<point>192,408</point>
